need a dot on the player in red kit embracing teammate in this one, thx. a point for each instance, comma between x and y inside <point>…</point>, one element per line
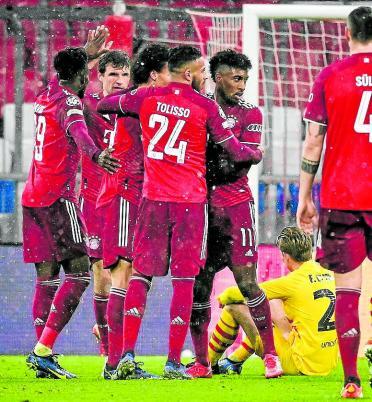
<point>232,232</point>
<point>114,75</point>
<point>172,225</point>
<point>54,233</point>
<point>118,201</point>
<point>340,109</point>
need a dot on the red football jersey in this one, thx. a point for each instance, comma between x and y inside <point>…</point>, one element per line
<point>127,181</point>
<point>174,122</point>
<point>56,156</point>
<point>101,129</point>
<point>341,100</point>
<point>246,124</point>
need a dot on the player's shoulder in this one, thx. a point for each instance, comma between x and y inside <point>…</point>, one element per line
<point>334,68</point>
<point>68,99</point>
<point>247,105</point>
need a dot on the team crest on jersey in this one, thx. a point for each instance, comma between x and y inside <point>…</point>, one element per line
<point>94,242</point>
<point>95,95</point>
<point>72,101</point>
<point>229,122</point>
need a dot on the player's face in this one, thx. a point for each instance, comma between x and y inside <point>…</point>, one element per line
<point>114,79</point>
<point>83,80</point>
<point>198,74</point>
<point>230,84</point>
<point>163,77</point>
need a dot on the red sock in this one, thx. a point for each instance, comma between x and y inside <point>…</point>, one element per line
<point>64,304</point>
<point>45,289</point>
<point>180,312</point>
<point>348,329</point>
<point>115,317</point>
<point>259,308</point>
<point>200,319</point>
<point>100,308</point>
<point>134,309</point>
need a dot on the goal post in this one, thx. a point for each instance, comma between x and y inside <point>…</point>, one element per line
<point>288,45</point>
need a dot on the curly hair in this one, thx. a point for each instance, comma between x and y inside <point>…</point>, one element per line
<point>152,58</point>
<point>228,58</point>
<point>117,58</point>
<point>69,62</point>
<point>181,55</point>
<point>296,243</point>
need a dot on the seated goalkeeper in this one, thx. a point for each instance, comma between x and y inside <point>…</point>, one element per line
<point>302,307</point>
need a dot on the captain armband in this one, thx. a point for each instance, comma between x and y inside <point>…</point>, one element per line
<point>309,166</point>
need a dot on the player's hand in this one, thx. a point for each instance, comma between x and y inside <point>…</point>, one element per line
<point>96,44</point>
<point>108,162</point>
<point>307,216</point>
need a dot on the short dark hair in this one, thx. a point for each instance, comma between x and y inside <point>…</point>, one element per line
<point>151,58</point>
<point>229,58</point>
<point>69,62</point>
<point>296,243</point>
<point>181,55</point>
<point>360,24</point>
<point>117,58</point>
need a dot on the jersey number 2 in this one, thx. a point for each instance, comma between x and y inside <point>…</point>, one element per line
<point>359,125</point>
<point>40,124</point>
<point>325,323</point>
<point>169,148</point>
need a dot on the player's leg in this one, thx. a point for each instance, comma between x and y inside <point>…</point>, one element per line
<point>343,249</point>
<point>101,290</point>
<point>120,275</point>
<point>151,258</point>
<point>188,254</point>
<point>68,233</point>
<point>243,266</point>
<point>218,252</point>
<point>37,249</point>
<point>368,219</point>
<point>47,283</point>
<point>119,224</point>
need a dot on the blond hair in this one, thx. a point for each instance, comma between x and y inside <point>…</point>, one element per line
<point>296,243</point>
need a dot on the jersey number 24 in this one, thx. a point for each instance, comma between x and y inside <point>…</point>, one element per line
<point>169,148</point>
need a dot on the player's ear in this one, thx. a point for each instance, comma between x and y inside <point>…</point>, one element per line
<point>187,74</point>
<point>154,75</point>
<point>347,34</point>
<point>218,77</point>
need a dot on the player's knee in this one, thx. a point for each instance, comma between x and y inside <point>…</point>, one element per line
<point>249,288</point>
<point>76,265</point>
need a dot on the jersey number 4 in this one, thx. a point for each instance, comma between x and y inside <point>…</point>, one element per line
<point>169,148</point>
<point>325,323</point>
<point>40,124</point>
<point>359,125</point>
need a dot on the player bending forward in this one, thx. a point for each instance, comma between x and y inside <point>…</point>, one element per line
<point>54,233</point>
<point>172,224</point>
<point>302,307</point>
<point>232,232</point>
<point>340,105</point>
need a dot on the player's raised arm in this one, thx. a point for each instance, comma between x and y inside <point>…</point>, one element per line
<point>220,132</point>
<point>111,104</point>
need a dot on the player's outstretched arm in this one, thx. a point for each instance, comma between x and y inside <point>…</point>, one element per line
<point>111,104</point>
<point>307,214</point>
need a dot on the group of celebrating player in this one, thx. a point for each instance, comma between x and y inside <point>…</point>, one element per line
<point>164,186</point>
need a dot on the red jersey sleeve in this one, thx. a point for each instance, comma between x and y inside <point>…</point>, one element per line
<point>252,128</point>
<point>316,110</point>
<point>220,132</point>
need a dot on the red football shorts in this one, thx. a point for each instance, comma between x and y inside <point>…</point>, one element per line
<point>94,224</point>
<point>120,217</point>
<point>346,239</point>
<point>170,235</point>
<point>53,233</point>
<point>232,236</point>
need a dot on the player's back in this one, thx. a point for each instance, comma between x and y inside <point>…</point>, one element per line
<point>309,304</point>
<point>347,99</point>
<point>174,128</point>
<point>56,156</point>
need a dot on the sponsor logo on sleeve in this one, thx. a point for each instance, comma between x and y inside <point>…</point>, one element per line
<point>255,128</point>
<point>72,101</point>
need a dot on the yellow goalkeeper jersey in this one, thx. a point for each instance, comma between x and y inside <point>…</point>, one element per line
<point>308,294</point>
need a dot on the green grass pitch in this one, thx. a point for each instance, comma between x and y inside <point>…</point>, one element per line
<point>18,383</point>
